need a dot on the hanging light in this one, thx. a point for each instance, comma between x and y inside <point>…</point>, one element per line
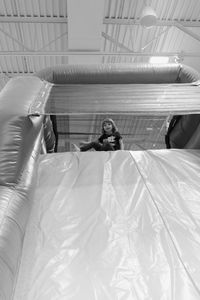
<point>148,17</point>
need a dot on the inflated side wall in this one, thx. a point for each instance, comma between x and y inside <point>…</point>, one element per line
<point>20,145</point>
<point>184,132</point>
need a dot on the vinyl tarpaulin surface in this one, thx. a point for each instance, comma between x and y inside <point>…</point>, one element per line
<point>114,225</point>
<point>162,99</point>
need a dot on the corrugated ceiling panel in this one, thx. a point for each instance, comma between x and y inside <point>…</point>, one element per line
<point>32,36</point>
<point>155,39</point>
<point>48,8</point>
<point>177,9</point>
<point>50,36</point>
<point>121,38</point>
<point>123,9</point>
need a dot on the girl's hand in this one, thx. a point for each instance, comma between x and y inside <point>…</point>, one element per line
<point>121,144</point>
<point>105,141</point>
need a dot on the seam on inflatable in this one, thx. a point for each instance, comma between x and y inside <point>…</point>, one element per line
<point>6,209</point>
<point>6,215</point>
<point>5,263</point>
<point>14,221</point>
<point>16,274</point>
<point>179,72</point>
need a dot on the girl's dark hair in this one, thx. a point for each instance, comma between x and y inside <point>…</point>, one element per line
<point>108,120</point>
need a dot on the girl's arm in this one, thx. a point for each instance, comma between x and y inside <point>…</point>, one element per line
<point>121,144</point>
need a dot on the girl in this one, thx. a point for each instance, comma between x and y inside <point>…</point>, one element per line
<point>110,140</point>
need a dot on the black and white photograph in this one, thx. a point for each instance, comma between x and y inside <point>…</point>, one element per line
<point>99,149</point>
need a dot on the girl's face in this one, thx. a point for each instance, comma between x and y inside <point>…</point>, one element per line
<point>107,127</point>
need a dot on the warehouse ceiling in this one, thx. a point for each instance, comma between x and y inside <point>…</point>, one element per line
<point>35,34</point>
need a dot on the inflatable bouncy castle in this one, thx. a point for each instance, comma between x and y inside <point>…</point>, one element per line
<point>99,225</point>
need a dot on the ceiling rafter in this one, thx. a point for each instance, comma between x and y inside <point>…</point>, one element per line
<point>97,53</point>
<point>120,21</point>
<point>52,41</point>
<point>32,19</point>
<point>182,25</point>
<point>155,38</point>
<point>130,21</point>
<point>188,31</point>
<point>114,41</point>
<point>15,40</point>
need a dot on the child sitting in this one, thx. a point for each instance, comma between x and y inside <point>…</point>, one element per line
<point>110,140</point>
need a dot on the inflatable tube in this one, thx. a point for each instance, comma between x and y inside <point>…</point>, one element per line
<point>183,132</point>
<point>119,73</point>
<point>20,144</point>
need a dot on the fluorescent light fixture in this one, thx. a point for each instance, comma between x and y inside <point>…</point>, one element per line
<point>159,60</point>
